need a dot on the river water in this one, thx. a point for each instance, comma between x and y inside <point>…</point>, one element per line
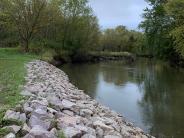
<point>148,93</point>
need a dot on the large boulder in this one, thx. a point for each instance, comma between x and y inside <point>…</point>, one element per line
<point>25,129</point>
<point>63,122</point>
<point>88,136</point>
<point>55,102</point>
<point>67,104</point>
<point>27,109</point>
<point>39,132</point>
<point>102,125</point>
<point>36,121</point>
<point>10,135</point>
<point>39,104</point>
<point>13,128</point>
<point>17,116</point>
<point>86,113</point>
<point>71,132</point>
<point>112,136</point>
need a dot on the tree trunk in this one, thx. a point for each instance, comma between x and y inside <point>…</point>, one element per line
<point>25,45</point>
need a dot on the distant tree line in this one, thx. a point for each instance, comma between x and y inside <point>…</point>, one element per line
<point>121,39</point>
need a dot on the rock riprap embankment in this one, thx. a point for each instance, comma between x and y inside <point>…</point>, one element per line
<point>56,108</point>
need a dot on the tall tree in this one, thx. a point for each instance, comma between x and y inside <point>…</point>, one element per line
<point>79,26</point>
<point>156,27</point>
<point>27,17</point>
<point>175,9</point>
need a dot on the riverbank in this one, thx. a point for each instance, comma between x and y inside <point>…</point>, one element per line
<point>12,74</point>
<point>84,56</point>
<point>54,107</point>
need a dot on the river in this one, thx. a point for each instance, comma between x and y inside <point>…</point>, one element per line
<point>148,93</point>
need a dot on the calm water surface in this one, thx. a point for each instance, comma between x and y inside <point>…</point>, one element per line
<point>148,93</point>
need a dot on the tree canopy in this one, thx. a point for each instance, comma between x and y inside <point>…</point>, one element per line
<point>163,27</point>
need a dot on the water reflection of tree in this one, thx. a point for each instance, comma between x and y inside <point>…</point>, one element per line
<point>113,73</point>
<point>162,102</point>
<point>84,76</point>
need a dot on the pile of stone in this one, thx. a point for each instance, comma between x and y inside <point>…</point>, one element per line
<point>56,108</point>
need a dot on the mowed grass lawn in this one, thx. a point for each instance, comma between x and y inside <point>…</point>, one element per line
<point>12,72</point>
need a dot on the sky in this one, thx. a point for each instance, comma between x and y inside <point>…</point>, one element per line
<point>112,13</point>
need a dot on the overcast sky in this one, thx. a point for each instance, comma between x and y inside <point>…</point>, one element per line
<point>118,12</point>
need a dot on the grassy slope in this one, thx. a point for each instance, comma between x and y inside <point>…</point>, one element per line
<point>12,74</point>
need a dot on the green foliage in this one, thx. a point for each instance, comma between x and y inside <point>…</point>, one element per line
<point>74,29</point>
<point>175,10</point>
<point>29,17</point>
<point>4,132</point>
<point>61,134</point>
<point>157,26</point>
<point>8,122</point>
<point>120,39</point>
<point>163,27</point>
<point>59,24</point>
<point>8,35</point>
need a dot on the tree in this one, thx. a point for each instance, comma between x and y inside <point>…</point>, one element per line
<point>27,16</point>
<point>156,26</point>
<point>175,9</point>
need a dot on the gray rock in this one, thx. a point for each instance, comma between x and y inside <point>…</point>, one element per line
<point>50,110</point>
<point>66,121</point>
<point>88,136</point>
<point>27,109</point>
<point>112,136</point>
<point>22,117</point>
<point>55,102</point>
<point>102,125</point>
<point>71,132</point>
<point>70,113</point>
<point>112,133</point>
<point>39,132</point>
<point>35,121</point>
<point>99,132</point>
<point>15,116</point>
<point>39,104</point>
<point>91,131</point>
<point>25,129</point>
<point>86,113</point>
<point>13,128</point>
<point>67,104</point>
<point>26,93</point>
<point>12,115</point>
<point>34,88</point>
<point>54,131</point>
<point>40,113</point>
<point>10,135</point>
<point>83,129</point>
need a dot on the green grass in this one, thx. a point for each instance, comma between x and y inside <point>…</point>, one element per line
<point>12,72</point>
<point>61,134</point>
<point>4,131</point>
